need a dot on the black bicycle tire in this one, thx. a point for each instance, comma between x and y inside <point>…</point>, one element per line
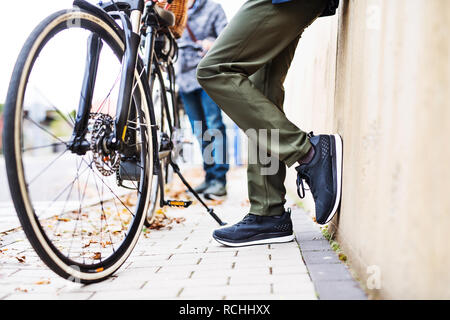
<point>22,71</point>
<point>153,203</point>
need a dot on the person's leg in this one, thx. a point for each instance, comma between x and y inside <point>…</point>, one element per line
<point>267,191</point>
<point>257,34</point>
<point>193,105</point>
<point>216,151</point>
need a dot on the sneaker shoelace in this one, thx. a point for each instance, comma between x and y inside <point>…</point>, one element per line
<point>301,187</point>
<point>248,218</point>
<point>302,176</point>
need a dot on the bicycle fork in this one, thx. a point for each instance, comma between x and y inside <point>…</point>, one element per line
<point>79,144</point>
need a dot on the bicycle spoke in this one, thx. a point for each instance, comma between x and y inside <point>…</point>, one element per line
<point>71,123</point>
<point>79,213</point>
<point>44,146</point>
<point>116,196</point>
<point>109,94</point>
<point>63,211</point>
<point>103,216</point>
<point>45,130</point>
<point>46,168</point>
<point>70,185</point>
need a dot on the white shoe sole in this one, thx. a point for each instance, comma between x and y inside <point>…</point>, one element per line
<point>209,196</point>
<point>257,242</point>
<point>339,149</point>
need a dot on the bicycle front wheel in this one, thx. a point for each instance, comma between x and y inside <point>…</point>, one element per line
<point>81,211</point>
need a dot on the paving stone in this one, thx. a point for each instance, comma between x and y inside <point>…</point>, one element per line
<point>340,290</point>
<point>305,288</point>
<point>320,257</point>
<point>114,284</point>
<point>329,271</point>
<point>248,264</point>
<point>48,296</point>
<point>283,269</point>
<point>315,245</point>
<point>185,262</point>
<point>308,235</point>
<point>226,291</point>
<point>188,283</point>
<point>33,275</point>
<point>169,293</point>
<point>137,274</point>
<point>331,278</point>
<point>212,273</point>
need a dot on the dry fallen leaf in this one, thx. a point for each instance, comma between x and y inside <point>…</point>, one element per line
<point>180,220</point>
<point>105,243</point>
<point>21,259</point>
<point>215,202</point>
<point>97,256</point>
<point>44,281</point>
<point>89,243</point>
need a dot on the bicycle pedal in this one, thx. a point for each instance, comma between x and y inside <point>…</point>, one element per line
<point>178,203</point>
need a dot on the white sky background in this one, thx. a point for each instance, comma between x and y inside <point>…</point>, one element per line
<point>19,18</point>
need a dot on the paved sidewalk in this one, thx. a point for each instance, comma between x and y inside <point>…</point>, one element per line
<point>181,261</point>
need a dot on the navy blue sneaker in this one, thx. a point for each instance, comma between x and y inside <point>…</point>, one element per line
<point>255,229</point>
<point>323,174</point>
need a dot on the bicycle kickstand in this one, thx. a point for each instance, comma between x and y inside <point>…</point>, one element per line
<point>176,169</point>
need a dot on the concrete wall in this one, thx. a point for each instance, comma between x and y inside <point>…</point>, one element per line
<point>378,73</point>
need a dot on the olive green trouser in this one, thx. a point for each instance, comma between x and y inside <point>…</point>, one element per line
<point>244,74</point>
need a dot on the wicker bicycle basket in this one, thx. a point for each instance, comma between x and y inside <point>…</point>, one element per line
<point>180,9</point>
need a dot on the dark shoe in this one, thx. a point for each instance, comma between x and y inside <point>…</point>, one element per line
<point>255,229</point>
<point>323,174</point>
<point>216,190</point>
<point>202,187</point>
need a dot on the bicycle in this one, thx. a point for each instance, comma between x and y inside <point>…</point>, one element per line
<point>106,160</point>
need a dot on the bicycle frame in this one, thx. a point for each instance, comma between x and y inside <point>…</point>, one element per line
<point>130,13</point>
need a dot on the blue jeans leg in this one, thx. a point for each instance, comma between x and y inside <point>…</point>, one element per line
<point>216,149</point>
<point>203,116</point>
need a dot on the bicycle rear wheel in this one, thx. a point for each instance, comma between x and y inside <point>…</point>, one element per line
<point>82,213</point>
